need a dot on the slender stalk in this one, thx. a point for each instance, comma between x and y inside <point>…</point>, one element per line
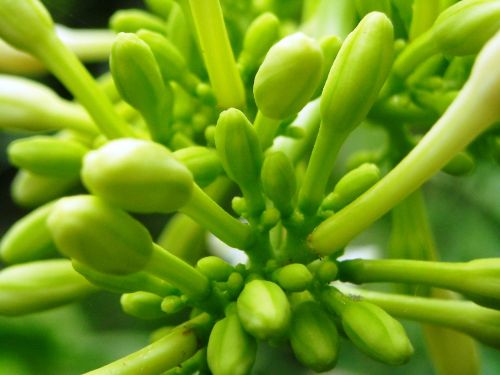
<point>265,128</point>
<point>217,53</point>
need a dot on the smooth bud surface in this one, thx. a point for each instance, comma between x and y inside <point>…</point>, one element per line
<point>138,176</point>
<point>203,163</point>
<point>142,305</point>
<point>293,277</point>
<point>99,235</point>
<point>288,76</point>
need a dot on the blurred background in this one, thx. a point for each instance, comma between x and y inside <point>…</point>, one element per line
<point>464,212</point>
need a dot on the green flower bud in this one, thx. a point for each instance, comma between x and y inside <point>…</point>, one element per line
<point>465,27</point>
<point>133,282</point>
<point>351,186</point>
<point>203,163</point>
<point>314,337</point>
<point>99,235</point>
<point>142,305</point>
<point>261,34</point>
<point>384,341</point>
<point>288,77</point>
<point>139,81</point>
<point>25,23</point>
<point>37,286</point>
<point>263,309</point>
<point>293,277</point>
<point>214,268</point>
<point>230,351</point>
<point>138,176</point>
<point>238,147</point>
<point>173,304</point>
<point>29,238</point>
<point>330,47</point>
<point>32,190</point>
<point>132,20</point>
<point>357,74</point>
<point>278,181</point>
<point>47,156</point>
<point>461,164</point>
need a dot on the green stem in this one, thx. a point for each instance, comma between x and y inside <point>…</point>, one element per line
<point>265,128</point>
<point>217,53</point>
<point>67,68</point>
<point>90,45</point>
<point>318,170</point>
<point>414,54</point>
<point>425,13</point>
<point>180,274</point>
<point>210,215</point>
<point>469,115</point>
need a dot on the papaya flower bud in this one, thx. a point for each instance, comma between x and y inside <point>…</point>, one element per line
<point>29,238</point>
<point>214,268</point>
<point>461,164</point>
<point>24,287</point>
<point>288,77</point>
<point>142,305</point>
<point>264,310</point>
<point>139,81</point>
<point>47,156</point>
<point>314,337</point>
<point>36,23</point>
<point>351,186</point>
<point>231,350</point>
<point>133,20</point>
<point>138,176</point>
<point>203,163</point>
<point>293,277</point>
<point>279,182</point>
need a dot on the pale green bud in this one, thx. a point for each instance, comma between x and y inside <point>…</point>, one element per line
<point>132,282</point>
<point>99,235</point>
<point>376,333</point>
<point>25,24</point>
<point>173,304</point>
<point>138,176</point>
<point>203,163</point>
<point>132,20</point>
<point>330,47</point>
<point>465,27</point>
<point>480,282</point>
<point>351,186</point>
<point>214,268</point>
<point>314,337</point>
<point>278,181</point>
<point>37,286</point>
<point>288,77</point>
<point>47,156</point>
<point>139,81</point>
<point>357,74</point>
<point>293,277</point>
<point>29,238</point>
<point>461,164</point>
<point>264,310</point>
<point>238,147</point>
<point>32,190</point>
<point>230,351</point>
<point>142,305</point>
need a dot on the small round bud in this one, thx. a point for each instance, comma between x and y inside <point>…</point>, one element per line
<point>293,277</point>
<point>142,305</point>
<point>214,268</point>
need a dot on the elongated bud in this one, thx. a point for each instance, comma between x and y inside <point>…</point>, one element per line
<point>278,181</point>
<point>293,277</point>
<point>134,282</point>
<point>32,190</point>
<point>314,337</point>
<point>461,164</point>
<point>99,235</point>
<point>138,176</point>
<point>330,47</point>
<point>351,186</point>
<point>139,81</point>
<point>47,156</point>
<point>263,309</point>
<point>288,77</point>
<point>36,23</point>
<point>132,20</point>
<point>202,162</point>
<point>29,238</point>
<point>261,34</point>
<point>24,287</point>
<point>465,27</point>
<point>231,351</point>
<point>142,305</point>
<point>238,147</point>
<point>214,268</point>
<point>357,74</point>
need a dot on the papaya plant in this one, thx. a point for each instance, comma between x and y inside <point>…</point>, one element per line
<point>252,103</point>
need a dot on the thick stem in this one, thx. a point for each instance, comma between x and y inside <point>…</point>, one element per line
<point>265,128</point>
